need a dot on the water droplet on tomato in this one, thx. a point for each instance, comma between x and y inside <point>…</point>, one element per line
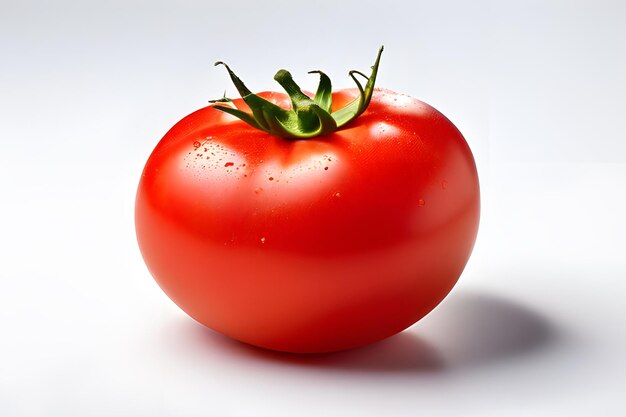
<point>196,145</point>
<point>258,190</point>
<point>444,184</point>
<point>263,240</point>
<point>337,194</point>
<point>421,203</point>
<point>229,164</point>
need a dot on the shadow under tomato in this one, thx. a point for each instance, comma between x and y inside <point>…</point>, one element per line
<point>477,329</point>
<point>405,352</point>
<point>467,330</point>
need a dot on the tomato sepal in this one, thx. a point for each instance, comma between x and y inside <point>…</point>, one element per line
<point>308,117</point>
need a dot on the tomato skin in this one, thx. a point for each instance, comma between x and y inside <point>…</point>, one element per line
<point>312,245</point>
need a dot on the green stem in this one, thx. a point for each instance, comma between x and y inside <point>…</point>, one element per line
<point>308,117</point>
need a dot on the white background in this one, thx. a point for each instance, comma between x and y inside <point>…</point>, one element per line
<point>536,325</point>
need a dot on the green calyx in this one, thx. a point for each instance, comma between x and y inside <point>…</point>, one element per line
<point>308,117</point>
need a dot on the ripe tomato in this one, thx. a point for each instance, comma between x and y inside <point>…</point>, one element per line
<point>310,245</point>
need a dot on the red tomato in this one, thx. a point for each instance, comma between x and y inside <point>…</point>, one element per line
<point>310,245</point>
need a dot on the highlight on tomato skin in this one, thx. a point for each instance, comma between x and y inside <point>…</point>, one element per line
<point>309,243</point>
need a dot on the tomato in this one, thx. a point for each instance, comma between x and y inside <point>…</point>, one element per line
<point>310,245</point>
